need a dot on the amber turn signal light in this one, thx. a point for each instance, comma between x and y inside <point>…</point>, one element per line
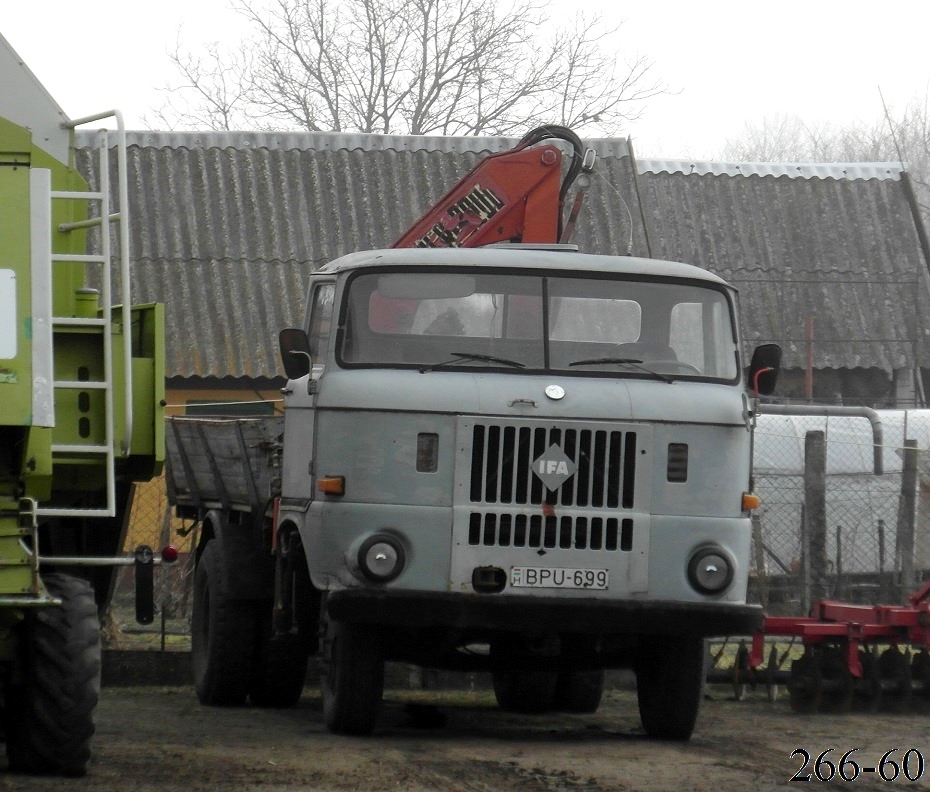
<point>751,501</point>
<point>332,485</point>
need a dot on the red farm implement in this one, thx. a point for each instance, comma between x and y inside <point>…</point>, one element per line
<point>871,656</point>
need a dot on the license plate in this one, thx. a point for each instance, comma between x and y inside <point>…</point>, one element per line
<point>558,577</point>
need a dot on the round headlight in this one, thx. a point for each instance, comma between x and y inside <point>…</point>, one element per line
<point>710,570</point>
<point>381,558</point>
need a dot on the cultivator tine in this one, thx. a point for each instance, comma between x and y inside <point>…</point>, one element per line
<point>771,674</point>
<point>741,672</point>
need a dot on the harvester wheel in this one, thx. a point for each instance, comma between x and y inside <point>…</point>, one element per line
<point>352,676</point>
<point>670,674</point>
<point>869,687</point>
<point>52,694</point>
<point>805,685</point>
<point>223,635</point>
<point>894,666</point>
<point>578,691</point>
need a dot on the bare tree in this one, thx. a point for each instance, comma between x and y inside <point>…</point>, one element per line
<point>451,67</point>
<point>901,136</point>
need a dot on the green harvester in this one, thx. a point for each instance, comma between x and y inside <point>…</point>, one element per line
<point>81,415</point>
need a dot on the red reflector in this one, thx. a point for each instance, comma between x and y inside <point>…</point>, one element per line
<point>169,554</point>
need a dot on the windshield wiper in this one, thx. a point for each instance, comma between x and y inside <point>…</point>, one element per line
<point>463,356</point>
<point>622,362</point>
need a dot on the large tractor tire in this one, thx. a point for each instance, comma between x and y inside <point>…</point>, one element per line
<point>670,675</point>
<point>52,693</point>
<point>223,635</point>
<point>352,679</point>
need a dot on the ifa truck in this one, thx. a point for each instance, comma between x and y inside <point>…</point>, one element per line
<point>81,417</point>
<point>497,454</point>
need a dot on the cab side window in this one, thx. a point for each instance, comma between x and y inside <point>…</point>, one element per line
<point>321,319</point>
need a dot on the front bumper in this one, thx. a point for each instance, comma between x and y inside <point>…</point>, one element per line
<point>427,609</point>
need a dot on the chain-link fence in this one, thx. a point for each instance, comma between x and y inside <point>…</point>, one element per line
<point>829,525</point>
<point>867,538</point>
<point>153,523</point>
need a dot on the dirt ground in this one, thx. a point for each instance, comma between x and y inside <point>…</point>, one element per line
<point>159,738</point>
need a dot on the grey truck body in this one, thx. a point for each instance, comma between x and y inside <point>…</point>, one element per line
<point>563,483</point>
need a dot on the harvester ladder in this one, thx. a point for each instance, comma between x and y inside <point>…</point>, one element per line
<point>103,219</point>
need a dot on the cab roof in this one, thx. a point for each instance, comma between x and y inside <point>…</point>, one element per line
<point>519,257</point>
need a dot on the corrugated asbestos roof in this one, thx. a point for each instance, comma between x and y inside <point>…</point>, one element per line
<point>226,227</point>
<point>805,170</point>
<point>844,252</point>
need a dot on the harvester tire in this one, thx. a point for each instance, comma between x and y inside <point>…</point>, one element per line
<point>223,635</point>
<point>670,673</point>
<point>579,691</point>
<point>352,676</point>
<point>52,694</point>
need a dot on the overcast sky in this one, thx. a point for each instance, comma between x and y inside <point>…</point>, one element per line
<point>727,62</point>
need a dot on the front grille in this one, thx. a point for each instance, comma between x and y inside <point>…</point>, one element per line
<point>503,455</point>
<point>536,530</point>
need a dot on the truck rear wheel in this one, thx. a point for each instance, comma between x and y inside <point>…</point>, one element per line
<point>525,691</point>
<point>223,635</point>
<point>579,691</point>
<point>352,678</point>
<point>53,692</point>
<point>670,676</point>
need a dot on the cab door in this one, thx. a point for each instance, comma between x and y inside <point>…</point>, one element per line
<point>300,396</point>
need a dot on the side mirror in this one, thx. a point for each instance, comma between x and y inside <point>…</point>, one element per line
<point>763,370</point>
<point>295,352</point>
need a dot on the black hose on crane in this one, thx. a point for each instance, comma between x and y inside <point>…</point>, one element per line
<point>542,133</point>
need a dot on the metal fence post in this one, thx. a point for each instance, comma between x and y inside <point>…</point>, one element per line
<point>904,544</point>
<point>882,595</point>
<point>815,511</point>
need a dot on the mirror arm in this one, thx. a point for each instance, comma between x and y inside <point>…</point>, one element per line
<point>755,379</point>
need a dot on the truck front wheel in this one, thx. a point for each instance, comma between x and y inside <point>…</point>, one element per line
<point>223,635</point>
<point>52,694</point>
<point>670,676</point>
<point>352,678</point>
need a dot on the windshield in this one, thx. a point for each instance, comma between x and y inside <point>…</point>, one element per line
<point>532,321</point>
